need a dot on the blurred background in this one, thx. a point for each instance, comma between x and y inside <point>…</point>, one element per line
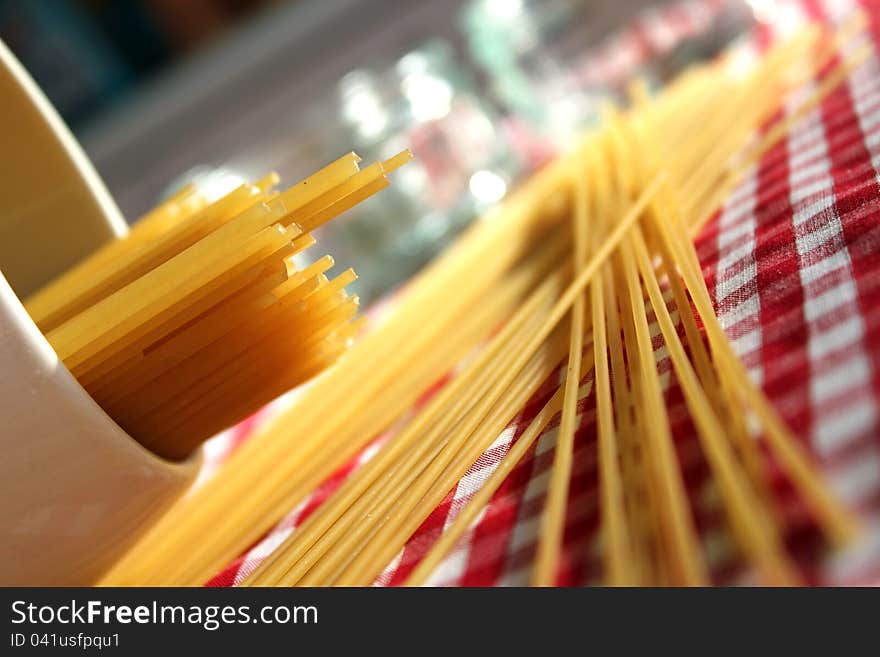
<point>164,92</point>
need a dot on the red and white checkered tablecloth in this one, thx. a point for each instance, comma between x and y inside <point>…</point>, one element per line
<point>793,260</point>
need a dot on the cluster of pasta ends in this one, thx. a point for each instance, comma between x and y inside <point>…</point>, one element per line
<point>201,315</point>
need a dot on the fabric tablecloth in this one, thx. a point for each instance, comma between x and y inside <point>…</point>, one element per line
<point>793,260</point>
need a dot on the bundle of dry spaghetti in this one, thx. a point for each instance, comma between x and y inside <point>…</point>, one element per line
<point>574,267</point>
<point>199,316</point>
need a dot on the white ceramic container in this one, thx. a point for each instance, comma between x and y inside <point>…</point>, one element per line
<point>75,489</point>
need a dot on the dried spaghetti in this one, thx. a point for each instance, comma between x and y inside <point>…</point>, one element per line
<point>600,237</point>
<point>200,315</point>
